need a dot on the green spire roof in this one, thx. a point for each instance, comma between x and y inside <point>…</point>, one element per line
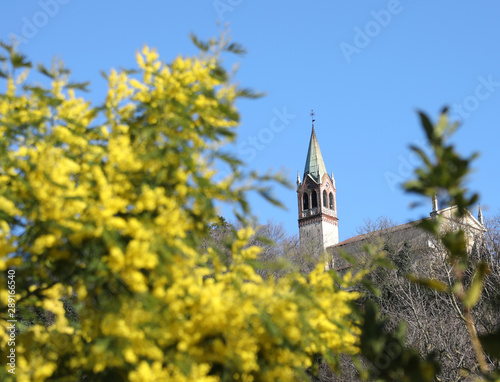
<point>314,161</point>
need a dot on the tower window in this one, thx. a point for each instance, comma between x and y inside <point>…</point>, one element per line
<point>325,202</point>
<point>305,201</point>
<point>331,201</point>
<point>314,200</point>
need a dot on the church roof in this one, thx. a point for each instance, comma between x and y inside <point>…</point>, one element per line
<point>378,233</point>
<point>447,212</point>
<point>314,161</point>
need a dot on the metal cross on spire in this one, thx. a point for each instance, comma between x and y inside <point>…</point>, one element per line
<point>314,161</point>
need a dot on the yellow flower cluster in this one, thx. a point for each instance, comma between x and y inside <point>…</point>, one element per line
<point>102,214</point>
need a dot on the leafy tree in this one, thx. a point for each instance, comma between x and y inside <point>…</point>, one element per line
<point>440,300</point>
<point>107,208</point>
<point>448,295</point>
<point>104,218</point>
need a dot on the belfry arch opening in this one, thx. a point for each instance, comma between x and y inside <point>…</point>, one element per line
<point>305,201</point>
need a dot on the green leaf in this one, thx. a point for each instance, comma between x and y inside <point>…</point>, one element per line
<point>491,344</point>
<point>219,74</point>
<point>442,123</point>
<point>202,45</point>
<point>433,284</point>
<point>421,154</point>
<point>348,257</point>
<point>236,48</point>
<point>8,47</point>
<point>474,293</point>
<point>228,158</point>
<point>427,125</point>
<point>249,93</point>
<point>431,225</point>
<point>129,72</point>
<point>456,244</point>
<point>19,60</point>
<point>268,195</point>
<point>384,262</point>
<point>400,362</point>
<point>42,69</point>
<point>370,286</point>
<point>38,91</point>
<point>78,85</point>
<point>54,102</point>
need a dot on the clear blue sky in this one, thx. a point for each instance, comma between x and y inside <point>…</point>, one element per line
<point>364,66</point>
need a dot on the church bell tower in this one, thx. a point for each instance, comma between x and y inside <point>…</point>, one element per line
<point>317,201</point>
